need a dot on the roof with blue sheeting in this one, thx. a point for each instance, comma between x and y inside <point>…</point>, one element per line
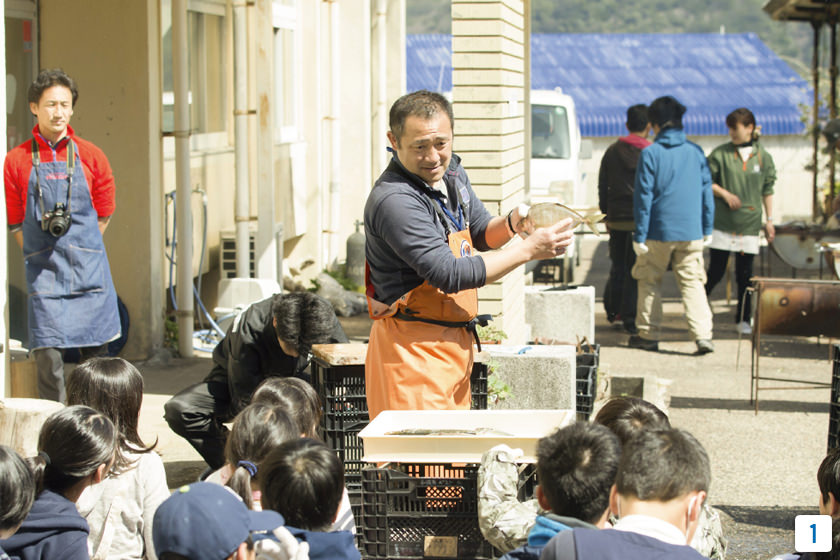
<point>711,74</point>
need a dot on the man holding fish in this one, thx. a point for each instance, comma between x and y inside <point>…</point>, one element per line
<point>422,222</point>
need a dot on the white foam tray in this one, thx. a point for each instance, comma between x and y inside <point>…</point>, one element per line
<point>524,426</point>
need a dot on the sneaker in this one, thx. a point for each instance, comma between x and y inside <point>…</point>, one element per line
<point>743,327</point>
<point>705,346</point>
<point>637,341</point>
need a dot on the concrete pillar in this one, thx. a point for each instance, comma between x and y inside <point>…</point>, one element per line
<point>488,79</point>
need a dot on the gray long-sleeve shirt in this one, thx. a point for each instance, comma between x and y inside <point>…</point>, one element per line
<point>405,241</point>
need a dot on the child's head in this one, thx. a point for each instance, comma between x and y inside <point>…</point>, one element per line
<point>205,521</point>
<point>296,397</point>
<point>576,467</point>
<point>256,430</point>
<point>114,387</point>
<point>667,467</point>
<point>828,479</point>
<point>76,445</point>
<point>303,480</point>
<point>17,491</point>
<point>626,416</point>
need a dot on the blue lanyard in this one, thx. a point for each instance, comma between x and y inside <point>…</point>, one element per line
<point>459,221</point>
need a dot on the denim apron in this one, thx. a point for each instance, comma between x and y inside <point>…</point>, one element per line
<point>72,302</point>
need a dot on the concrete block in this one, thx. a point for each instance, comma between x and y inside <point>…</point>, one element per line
<point>543,377</point>
<point>562,315</point>
<point>656,390</point>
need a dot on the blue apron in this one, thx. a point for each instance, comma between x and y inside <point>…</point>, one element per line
<point>72,302</point>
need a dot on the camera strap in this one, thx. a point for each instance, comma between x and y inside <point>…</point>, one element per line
<point>71,166</point>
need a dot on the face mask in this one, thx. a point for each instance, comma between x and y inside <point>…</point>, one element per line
<point>691,504</point>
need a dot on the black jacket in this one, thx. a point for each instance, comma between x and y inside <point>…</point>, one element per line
<point>250,352</point>
<point>53,530</point>
<point>616,179</point>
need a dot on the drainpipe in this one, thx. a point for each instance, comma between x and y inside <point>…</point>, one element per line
<point>242,205</point>
<point>184,249</point>
<point>380,155</point>
<point>335,149</point>
<point>832,113</point>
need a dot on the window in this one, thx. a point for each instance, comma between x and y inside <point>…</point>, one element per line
<point>286,71</point>
<point>207,67</point>
<point>550,132</point>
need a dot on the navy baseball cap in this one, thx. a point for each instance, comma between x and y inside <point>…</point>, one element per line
<point>206,521</point>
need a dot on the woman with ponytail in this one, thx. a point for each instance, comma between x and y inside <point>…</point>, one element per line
<point>120,510</point>
<point>743,175</point>
<point>75,450</point>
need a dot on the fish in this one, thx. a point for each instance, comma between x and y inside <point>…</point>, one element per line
<point>546,214</point>
<point>449,432</point>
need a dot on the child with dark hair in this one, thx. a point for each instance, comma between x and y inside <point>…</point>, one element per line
<point>300,401</point>
<point>119,511</point>
<point>662,480</point>
<point>76,449</point>
<point>17,492</point>
<point>576,467</point>
<point>626,416</point>
<point>297,398</point>
<point>303,481</point>
<point>256,431</point>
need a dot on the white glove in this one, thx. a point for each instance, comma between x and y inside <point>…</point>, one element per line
<point>640,249</point>
<point>285,548</point>
<point>517,216</point>
<point>707,240</point>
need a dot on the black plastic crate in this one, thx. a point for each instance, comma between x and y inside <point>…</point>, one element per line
<point>834,406</point>
<point>423,511</point>
<point>590,355</point>
<point>342,391</point>
<point>587,377</point>
<point>553,271</point>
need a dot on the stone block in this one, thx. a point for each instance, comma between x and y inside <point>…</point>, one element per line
<point>656,390</point>
<point>542,377</point>
<point>561,315</point>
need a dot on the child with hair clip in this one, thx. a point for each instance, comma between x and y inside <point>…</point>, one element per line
<point>17,492</point>
<point>300,401</point>
<point>256,430</point>
<point>120,510</point>
<point>75,450</point>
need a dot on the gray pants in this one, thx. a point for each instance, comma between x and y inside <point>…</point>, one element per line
<point>50,362</point>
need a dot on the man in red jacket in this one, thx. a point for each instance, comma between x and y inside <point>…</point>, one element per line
<point>615,197</point>
<point>59,199</point>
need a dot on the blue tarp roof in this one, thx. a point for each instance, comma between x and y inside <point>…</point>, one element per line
<point>711,74</point>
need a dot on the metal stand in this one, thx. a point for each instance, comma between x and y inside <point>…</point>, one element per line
<point>794,307</point>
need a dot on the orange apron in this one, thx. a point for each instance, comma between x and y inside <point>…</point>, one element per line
<point>412,364</point>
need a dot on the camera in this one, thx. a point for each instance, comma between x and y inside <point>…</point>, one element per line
<point>57,222</point>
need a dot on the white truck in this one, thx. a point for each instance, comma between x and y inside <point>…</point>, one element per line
<point>556,151</point>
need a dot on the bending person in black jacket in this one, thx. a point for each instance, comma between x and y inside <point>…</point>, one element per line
<point>615,197</point>
<point>271,338</point>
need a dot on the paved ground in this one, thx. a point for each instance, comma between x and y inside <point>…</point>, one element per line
<point>764,465</point>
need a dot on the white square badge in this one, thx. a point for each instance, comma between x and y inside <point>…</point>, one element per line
<point>812,533</point>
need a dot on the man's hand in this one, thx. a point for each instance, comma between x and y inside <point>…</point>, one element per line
<point>551,241</point>
<point>640,248</point>
<point>732,200</point>
<point>517,215</point>
<point>707,240</point>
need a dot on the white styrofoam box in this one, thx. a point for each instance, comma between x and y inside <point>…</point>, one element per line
<point>516,428</point>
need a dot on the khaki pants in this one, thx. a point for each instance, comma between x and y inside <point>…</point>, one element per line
<point>686,258</point>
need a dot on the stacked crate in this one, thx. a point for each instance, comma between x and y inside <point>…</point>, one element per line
<point>834,405</point>
<point>587,377</point>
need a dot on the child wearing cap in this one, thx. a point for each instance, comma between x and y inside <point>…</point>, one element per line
<point>205,521</point>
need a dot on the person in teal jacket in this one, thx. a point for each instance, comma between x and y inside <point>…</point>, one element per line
<point>743,175</point>
<point>673,211</point>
